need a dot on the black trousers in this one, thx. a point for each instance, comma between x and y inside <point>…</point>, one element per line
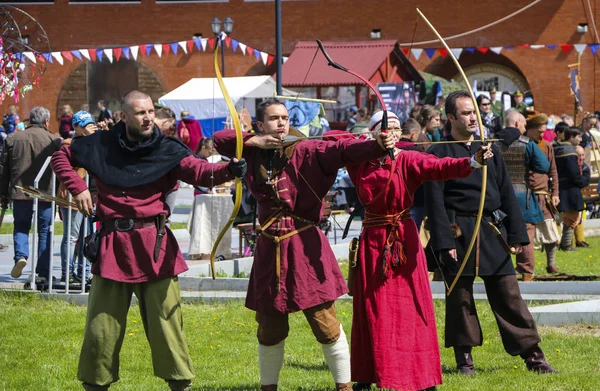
<point>516,325</point>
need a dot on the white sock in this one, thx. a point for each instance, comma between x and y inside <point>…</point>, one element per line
<point>337,355</point>
<point>270,361</point>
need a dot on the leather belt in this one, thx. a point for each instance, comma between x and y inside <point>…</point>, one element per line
<point>124,224</point>
<point>278,239</point>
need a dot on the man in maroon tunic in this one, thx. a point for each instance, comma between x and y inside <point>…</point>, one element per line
<point>135,166</point>
<point>294,267</point>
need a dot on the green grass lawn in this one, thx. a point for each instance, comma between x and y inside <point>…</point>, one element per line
<point>40,342</point>
<point>7,228</point>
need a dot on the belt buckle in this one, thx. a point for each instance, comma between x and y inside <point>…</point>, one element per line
<point>122,228</point>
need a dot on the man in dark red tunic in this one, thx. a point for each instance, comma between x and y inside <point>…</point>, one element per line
<point>294,267</point>
<point>135,166</point>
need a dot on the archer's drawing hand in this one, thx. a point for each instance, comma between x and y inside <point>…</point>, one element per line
<point>237,168</point>
<point>264,141</point>
<point>516,249</point>
<point>386,140</point>
<point>84,203</point>
<point>449,260</point>
<point>483,155</point>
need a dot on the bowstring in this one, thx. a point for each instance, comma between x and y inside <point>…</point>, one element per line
<point>304,80</point>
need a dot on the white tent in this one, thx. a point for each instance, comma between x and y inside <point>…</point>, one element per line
<point>203,98</point>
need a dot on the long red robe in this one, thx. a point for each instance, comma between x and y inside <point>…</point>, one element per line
<point>394,339</point>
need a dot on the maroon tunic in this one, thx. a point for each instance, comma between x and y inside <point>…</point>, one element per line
<point>128,256</point>
<point>310,274</point>
<point>394,339</point>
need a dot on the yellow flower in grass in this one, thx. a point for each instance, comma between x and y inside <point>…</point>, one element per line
<point>557,350</point>
<point>516,367</point>
<point>133,321</point>
<point>130,334</point>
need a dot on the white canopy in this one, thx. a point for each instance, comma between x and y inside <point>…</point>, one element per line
<point>202,97</point>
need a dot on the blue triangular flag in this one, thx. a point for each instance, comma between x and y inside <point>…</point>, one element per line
<point>594,47</point>
<point>174,47</point>
<point>198,43</point>
<point>257,54</point>
<point>126,53</point>
<point>99,53</point>
<point>77,54</point>
<point>234,44</point>
<point>470,50</point>
<point>148,49</point>
<point>430,52</point>
<point>48,57</point>
<point>551,46</point>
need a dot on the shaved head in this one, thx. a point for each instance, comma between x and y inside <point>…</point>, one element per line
<point>128,98</point>
<point>513,117</point>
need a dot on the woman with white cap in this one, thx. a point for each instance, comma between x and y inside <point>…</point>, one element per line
<point>394,338</point>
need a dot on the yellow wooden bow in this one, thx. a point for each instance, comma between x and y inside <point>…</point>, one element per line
<point>239,145</point>
<point>483,169</point>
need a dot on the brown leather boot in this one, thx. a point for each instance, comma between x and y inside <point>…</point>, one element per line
<point>361,386</point>
<point>552,269</point>
<point>464,360</point>
<point>536,361</point>
<point>91,387</point>
<point>269,387</point>
<point>527,277</point>
<point>179,385</point>
<point>343,386</point>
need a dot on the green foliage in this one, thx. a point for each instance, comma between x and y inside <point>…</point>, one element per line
<point>40,342</point>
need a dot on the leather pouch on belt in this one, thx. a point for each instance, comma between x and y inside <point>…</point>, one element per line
<point>91,246</point>
<point>161,222</point>
<point>352,262</point>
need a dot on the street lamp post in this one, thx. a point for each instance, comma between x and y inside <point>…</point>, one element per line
<point>216,29</point>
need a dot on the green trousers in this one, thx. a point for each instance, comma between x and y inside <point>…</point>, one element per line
<point>106,323</point>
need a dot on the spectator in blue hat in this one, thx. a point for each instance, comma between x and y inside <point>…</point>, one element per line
<point>352,112</point>
<point>83,125</point>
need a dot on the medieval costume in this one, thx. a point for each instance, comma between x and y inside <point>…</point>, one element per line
<point>452,208</point>
<point>137,252</point>
<point>394,337</point>
<point>523,157</point>
<point>545,187</point>
<point>294,267</point>
<point>571,182</point>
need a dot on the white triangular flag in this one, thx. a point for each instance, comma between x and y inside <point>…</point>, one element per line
<point>183,45</point>
<point>203,42</point>
<point>85,53</point>
<point>264,57</point>
<point>580,47</point>
<point>243,47</point>
<point>456,51</point>
<point>30,56</point>
<point>158,48</point>
<point>134,51</point>
<point>58,57</point>
<point>285,59</point>
<point>109,54</point>
<point>537,46</point>
<point>496,49</point>
<point>416,53</point>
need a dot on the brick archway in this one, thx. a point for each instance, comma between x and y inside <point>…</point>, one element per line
<point>90,82</point>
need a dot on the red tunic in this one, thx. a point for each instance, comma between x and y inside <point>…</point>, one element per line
<point>128,256</point>
<point>310,274</point>
<point>394,339</point>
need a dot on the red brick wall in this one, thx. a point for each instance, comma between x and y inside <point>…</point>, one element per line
<point>71,26</point>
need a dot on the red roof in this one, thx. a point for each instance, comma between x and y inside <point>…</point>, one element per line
<point>364,58</point>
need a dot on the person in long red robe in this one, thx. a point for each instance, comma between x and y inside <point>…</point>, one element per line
<point>294,267</point>
<point>394,338</point>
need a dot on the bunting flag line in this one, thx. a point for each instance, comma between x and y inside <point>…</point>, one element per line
<point>203,44</point>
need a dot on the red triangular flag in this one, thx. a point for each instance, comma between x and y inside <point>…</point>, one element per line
<point>211,43</point>
<point>67,54</point>
<point>41,57</point>
<point>92,54</point>
<point>405,51</point>
<point>566,48</point>
<point>117,52</point>
<point>190,45</point>
<point>166,47</point>
<point>524,46</point>
<point>249,50</point>
<point>270,59</point>
<point>483,50</point>
<point>228,41</point>
<point>443,52</point>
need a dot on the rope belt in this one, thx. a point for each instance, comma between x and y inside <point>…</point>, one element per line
<point>278,239</point>
<point>393,253</point>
